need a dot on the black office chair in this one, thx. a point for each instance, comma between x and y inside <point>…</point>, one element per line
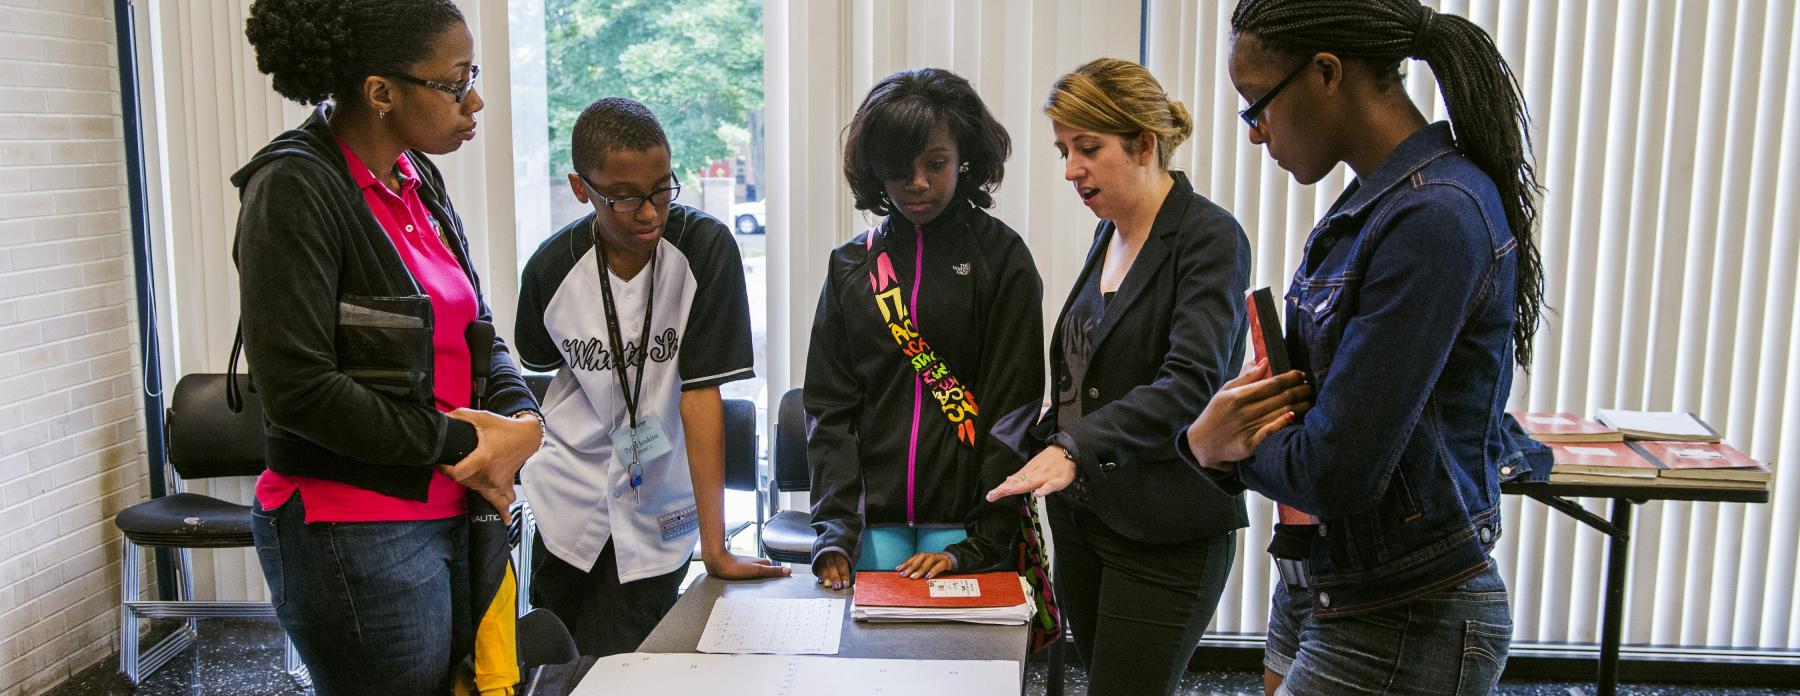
<point>787,535</point>
<point>543,642</point>
<point>203,439</point>
<point>740,461</point>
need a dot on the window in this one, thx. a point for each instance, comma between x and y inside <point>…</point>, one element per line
<point>698,65</point>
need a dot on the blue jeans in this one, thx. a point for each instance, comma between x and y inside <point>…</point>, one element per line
<point>1450,642</point>
<point>372,607</point>
<point>885,548</point>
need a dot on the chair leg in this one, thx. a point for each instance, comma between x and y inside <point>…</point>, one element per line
<point>290,661</point>
<point>1053,680</point>
<point>128,628</point>
<point>184,589</point>
<point>522,572</point>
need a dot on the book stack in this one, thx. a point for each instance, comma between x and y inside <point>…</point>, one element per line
<point>1001,598</point>
<point>1566,427</point>
<point>1704,465</point>
<point>1645,448</point>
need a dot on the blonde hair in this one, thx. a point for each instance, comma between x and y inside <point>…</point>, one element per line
<point>1120,97</point>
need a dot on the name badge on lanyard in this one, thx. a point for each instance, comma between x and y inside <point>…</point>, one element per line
<point>642,444</point>
<point>642,438</point>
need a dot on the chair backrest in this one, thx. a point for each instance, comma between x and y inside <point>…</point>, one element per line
<point>204,438</point>
<point>740,445</point>
<point>791,472</point>
<point>544,640</point>
<point>538,384</point>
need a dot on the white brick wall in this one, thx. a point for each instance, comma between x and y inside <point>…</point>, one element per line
<point>70,432</point>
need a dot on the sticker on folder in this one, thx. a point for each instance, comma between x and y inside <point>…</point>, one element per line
<point>958,587</point>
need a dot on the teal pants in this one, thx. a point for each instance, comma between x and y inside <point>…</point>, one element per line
<point>885,548</point>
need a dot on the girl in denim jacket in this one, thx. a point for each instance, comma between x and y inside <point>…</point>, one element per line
<point>1417,294</point>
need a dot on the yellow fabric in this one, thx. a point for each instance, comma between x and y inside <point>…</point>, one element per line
<point>496,645</point>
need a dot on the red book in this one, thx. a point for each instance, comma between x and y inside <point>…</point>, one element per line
<point>1565,427</point>
<point>1601,458</point>
<point>1703,460</point>
<point>1269,344</point>
<point>1265,330</point>
<point>888,589</point>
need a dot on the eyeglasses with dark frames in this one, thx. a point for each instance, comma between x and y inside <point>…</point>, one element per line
<point>459,91</point>
<point>631,204</point>
<point>1252,114</point>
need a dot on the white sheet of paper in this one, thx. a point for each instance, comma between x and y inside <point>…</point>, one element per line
<point>689,674</point>
<point>1592,451</point>
<point>775,626</point>
<point>1670,422</point>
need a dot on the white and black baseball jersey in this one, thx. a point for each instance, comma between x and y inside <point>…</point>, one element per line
<point>578,486</point>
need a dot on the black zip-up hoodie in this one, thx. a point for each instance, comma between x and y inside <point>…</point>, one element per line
<point>980,306</point>
<point>310,254</point>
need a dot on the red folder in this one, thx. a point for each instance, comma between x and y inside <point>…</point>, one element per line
<point>887,589</point>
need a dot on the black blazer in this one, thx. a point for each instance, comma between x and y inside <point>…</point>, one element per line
<point>1173,333</point>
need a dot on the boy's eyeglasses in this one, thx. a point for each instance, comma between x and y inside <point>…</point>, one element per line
<point>631,204</point>
<point>459,91</point>
<point>1252,114</point>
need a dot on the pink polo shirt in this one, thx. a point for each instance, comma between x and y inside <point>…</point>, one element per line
<point>413,230</point>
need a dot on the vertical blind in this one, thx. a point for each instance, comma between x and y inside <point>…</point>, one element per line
<point>1664,132</point>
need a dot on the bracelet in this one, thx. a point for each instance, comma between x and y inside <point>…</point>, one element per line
<point>543,425</point>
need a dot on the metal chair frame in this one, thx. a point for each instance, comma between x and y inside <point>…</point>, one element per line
<point>135,660</point>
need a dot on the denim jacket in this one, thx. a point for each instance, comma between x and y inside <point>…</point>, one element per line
<point>1402,313</point>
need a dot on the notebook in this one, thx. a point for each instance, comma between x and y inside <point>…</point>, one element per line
<point>1600,459</point>
<point>1703,460</point>
<point>1658,425</point>
<point>1565,427</point>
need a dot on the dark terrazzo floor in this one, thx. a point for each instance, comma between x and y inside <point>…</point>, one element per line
<point>243,658</point>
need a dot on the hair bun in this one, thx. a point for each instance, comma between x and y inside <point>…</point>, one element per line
<point>302,44</point>
<point>1181,125</point>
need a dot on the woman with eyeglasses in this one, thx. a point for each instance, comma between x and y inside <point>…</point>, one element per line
<point>1153,325</point>
<point>1417,296</point>
<point>358,295</point>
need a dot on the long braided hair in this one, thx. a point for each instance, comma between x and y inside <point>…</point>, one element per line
<point>1487,110</point>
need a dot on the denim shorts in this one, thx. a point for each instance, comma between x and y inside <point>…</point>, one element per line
<point>1450,642</point>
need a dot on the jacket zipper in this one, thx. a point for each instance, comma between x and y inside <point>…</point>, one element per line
<point>912,450</point>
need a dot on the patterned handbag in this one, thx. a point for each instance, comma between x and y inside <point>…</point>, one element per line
<point>1046,624</point>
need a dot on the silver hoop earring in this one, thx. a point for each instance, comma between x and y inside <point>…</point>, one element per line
<point>964,169</point>
<point>382,114</point>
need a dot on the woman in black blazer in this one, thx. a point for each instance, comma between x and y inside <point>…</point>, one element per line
<point>1153,326</point>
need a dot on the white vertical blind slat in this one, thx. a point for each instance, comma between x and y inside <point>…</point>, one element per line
<point>1777,438</point>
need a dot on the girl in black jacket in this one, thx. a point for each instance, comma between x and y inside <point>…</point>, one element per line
<point>925,362</point>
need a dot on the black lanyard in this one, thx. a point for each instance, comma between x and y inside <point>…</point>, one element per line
<point>630,391</point>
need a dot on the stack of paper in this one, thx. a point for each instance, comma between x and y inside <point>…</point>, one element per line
<point>1001,598</point>
<point>688,674</point>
